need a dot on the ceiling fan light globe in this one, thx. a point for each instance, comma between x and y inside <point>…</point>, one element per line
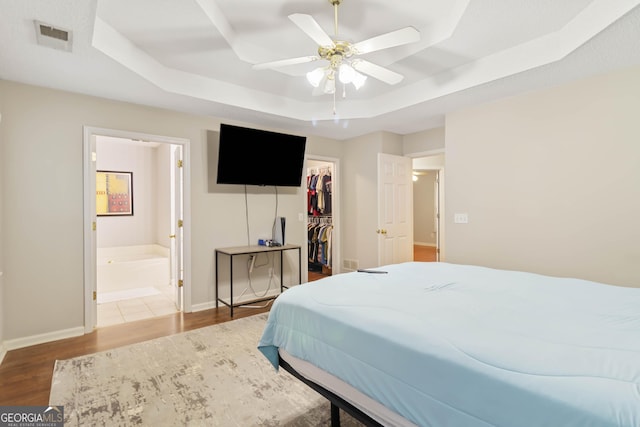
<point>315,77</point>
<point>358,79</point>
<point>346,74</point>
<point>330,86</point>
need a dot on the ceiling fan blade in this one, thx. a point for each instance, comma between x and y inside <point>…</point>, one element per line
<point>309,25</point>
<point>376,71</point>
<point>384,41</point>
<point>285,62</point>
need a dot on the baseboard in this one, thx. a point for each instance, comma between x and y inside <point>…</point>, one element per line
<point>204,306</point>
<point>433,245</point>
<point>3,352</point>
<point>43,338</point>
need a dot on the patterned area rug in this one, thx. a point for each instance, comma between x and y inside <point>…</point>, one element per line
<point>213,376</point>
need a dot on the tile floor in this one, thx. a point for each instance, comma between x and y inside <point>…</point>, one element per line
<point>128,310</point>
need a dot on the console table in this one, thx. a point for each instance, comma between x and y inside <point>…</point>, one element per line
<point>253,250</point>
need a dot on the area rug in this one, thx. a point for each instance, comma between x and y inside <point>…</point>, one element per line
<point>213,376</point>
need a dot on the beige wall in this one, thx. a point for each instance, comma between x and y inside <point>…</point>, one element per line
<point>42,176</point>
<point>550,181</point>
<point>424,142</point>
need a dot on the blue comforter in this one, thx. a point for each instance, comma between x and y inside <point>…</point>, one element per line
<point>452,345</point>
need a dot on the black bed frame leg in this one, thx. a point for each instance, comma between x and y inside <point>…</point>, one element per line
<point>335,416</point>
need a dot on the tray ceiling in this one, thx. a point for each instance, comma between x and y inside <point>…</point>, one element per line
<point>197,55</point>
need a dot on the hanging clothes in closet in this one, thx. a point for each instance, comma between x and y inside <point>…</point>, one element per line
<point>319,204</point>
<point>319,193</point>
<point>319,241</point>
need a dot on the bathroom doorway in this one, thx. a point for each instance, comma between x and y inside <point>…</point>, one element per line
<point>133,260</point>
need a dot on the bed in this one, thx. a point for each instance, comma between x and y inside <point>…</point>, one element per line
<point>437,344</point>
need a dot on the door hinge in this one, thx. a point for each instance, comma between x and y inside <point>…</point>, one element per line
<point>93,226</point>
<point>180,223</point>
<point>179,163</point>
<point>180,283</point>
<point>438,250</point>
<point>95,295</point>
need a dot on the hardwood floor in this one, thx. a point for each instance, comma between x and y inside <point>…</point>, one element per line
<point>315,276</point>
<point>424,253</point>
<point>25,374</point>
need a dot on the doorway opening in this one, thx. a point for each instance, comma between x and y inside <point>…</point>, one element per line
<point>134,265</point>
<point>322,217</point>
<point>428,199</point>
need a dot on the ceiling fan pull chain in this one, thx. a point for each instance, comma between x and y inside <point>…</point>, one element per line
<point>334,103</point>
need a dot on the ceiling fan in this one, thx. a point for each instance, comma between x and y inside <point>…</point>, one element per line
<point>342,55</point>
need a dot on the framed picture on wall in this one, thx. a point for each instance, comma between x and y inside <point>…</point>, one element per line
<point>114,193</point>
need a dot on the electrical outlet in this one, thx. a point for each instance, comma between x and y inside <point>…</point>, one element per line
<point>461,218</point>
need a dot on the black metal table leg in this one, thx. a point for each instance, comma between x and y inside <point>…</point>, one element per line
<point>231,284</point>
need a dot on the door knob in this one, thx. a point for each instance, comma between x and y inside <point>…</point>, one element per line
<point>172,236</point>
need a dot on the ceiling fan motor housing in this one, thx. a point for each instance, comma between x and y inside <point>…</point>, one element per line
<point>336,54</point>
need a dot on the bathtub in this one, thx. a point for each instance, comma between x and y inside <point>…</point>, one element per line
<point>128,267</point>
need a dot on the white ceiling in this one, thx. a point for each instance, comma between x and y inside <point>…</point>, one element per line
<point>196,56</point>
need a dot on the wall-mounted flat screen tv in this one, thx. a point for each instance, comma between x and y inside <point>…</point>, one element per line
<point>259,157</point>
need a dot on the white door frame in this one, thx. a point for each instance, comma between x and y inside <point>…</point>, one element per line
<point>89,214</point>
<point>336,256</point>
<point>177,214</point>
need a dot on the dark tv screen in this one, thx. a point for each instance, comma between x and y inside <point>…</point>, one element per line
<point>258,157</point>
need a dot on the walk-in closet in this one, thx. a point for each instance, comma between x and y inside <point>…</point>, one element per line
<point>320,217</point>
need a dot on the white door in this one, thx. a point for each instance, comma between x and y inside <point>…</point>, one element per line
<point>177,234</point>
<point>395,209</point>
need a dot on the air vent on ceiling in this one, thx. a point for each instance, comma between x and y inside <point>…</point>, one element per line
<point>54,37</point>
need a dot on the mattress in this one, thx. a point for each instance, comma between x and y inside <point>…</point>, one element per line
<point>453,345</point>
